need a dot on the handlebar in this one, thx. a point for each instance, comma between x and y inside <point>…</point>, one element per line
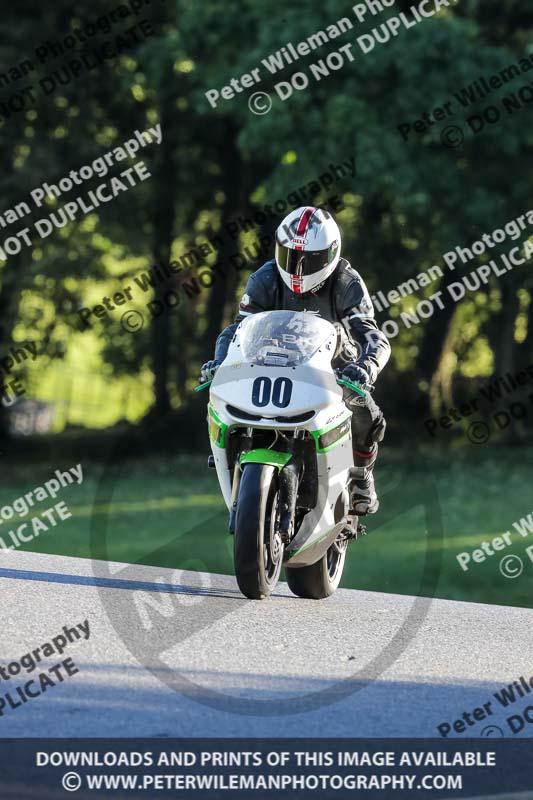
<point>203,385</point>
<point>355,387</point>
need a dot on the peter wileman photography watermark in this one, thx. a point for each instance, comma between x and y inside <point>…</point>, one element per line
<point>14,697</point>
<point>260,102</point>
<point>85,203</point>
<point>456,291</point>
<point>500,389</point>
<point>511,565</point>
<point>79,61</point>
<point>12,387</point>
<point>26,531</point>
<point>155,626</point>
<point>193,261</point>
<point>505,698</point>
<point>468,96</point>
<point>232,770</point>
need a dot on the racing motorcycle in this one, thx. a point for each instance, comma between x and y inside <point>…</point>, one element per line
<point>281,445</point>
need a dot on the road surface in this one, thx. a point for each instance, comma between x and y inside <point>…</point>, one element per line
<point>182,654</point>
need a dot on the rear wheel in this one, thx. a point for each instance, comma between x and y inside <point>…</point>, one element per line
<point>258,550</point>
<point>319,580</point>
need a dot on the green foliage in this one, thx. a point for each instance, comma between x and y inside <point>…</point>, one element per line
<point>409,203</point>
<point>170,513</point>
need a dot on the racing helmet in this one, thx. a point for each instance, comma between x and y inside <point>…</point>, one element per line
<point>308,247</point>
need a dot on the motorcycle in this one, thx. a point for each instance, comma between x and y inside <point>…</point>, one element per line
<point>281,445</point>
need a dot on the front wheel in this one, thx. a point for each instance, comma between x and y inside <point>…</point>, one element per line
<point>319,580</point>
<point>258,550</point>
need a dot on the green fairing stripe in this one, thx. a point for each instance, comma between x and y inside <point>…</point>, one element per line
<point>307,545</point>
<point>264,456</point>
<point>217,429</point>
<point>333,435</point>
<point>335,444</point>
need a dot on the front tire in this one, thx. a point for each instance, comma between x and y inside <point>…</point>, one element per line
<point>319,580</point>
<point>258,551</point>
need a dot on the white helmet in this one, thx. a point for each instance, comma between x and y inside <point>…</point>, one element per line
<point>308,248</point>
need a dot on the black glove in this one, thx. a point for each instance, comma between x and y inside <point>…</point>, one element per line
<point>355,374</point>
<point>207,373</point>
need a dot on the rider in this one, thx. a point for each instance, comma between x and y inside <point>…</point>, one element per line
<point>308,274</point>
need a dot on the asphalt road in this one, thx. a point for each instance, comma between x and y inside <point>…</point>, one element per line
<point>182,654</point>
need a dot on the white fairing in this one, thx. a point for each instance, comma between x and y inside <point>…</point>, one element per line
<point>278,366</point>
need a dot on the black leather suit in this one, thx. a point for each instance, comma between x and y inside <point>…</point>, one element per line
<point>343,298</point>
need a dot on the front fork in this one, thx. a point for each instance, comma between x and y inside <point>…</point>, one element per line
<point>289,481</point>
<point>237,472</point>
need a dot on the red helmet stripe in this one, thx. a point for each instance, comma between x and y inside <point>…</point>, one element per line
<point>296,284</point>
<point>304,221</point>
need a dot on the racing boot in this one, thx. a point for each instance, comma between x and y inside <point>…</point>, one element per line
<point>364,499</point>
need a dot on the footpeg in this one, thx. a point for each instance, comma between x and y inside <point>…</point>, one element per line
<point>350,531</point>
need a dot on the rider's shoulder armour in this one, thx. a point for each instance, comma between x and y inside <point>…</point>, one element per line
<point>350,289</point>
<point>263,285</point>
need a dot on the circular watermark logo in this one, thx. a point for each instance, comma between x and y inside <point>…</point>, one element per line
<point>260,103</point>
<point>71,782</point>
<point>132,321</point>
<point>176,615</point>
<point>492,731</point>
<point>478,432</point>
<point>511,567</point>
<point>452,136</point>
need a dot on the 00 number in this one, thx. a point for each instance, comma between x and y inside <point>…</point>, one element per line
<point>279,392</point>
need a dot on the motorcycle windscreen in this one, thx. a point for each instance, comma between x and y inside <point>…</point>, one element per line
<point>282,338</point>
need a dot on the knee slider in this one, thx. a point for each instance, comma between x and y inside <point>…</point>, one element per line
<point>377,431</point>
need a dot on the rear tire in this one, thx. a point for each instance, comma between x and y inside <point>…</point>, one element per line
<point>258,551</point>
<point>318,580</point>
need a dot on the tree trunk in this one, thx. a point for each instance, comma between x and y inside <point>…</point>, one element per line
<point>234,188</point>
<point>433,346</point>
<point>502,330</point>
<point>9,301</point>
<point>164,211</point>
<point>441,386</point>
<point>524,350</point>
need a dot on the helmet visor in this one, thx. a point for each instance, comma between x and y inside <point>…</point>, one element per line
<point>302,263</point>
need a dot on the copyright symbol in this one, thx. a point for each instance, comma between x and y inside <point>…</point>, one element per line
<point>452,136</point>
<point>71,781</point>
<point>478,432</point>
<point>260,103</point>
<point>511,567</point>
<point>132,321</point>
<point>492,730</point>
